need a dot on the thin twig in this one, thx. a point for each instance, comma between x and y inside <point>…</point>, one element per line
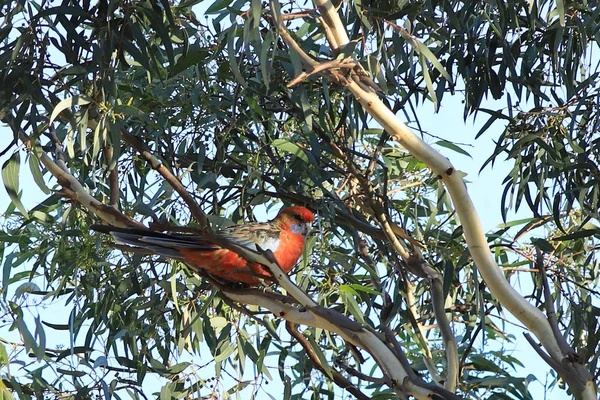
<point>345,63</point>
<point>113,178</point>
<point>363,377</point>
<point>156,164</point>
<point>549,304</point>
<point>338,378</point>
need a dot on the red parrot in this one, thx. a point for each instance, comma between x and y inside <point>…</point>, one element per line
<point>284,236</point>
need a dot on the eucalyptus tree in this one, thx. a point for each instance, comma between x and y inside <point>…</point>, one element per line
<point>187,117</point>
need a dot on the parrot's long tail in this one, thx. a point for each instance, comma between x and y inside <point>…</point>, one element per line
<point>164,244</point>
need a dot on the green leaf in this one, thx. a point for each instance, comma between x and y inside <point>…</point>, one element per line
<point>225,352</point>
<point>217,6</point>
<point>560,7</point>
<point>352,305</point>
<point>584,233</point>
<point>317,350</point>
<point>452,146</point>
<point>36,172</point>
<point>253,104</point>
<point>256,10</point>
<point>6,238</point>
<point>347,289</point>
<point>233,62</point>
<point>59,327</point>
<point>3,356</point>
<point>74,350</point>
<point>166,393</point>
<point>517,222</point>
<point>173,285</point>
<point>100,133</point>
<point>67,103</point>
<point>362,288</point>
<point>40,350</point>
<point>10,177</point>
<point>28,340</point>
<point>100,362</point>
<point>449,273</point>
<point>429,82</point>
<point>424,50</point>
<point>62,10</point>
<point>218,323</point>
<point>290,147</point>
<point>542,244</point>
<point>266,63</point>
<point>157,24</point>
<point>177,368</point>
<point>69,372</point>
<point>198,57</point>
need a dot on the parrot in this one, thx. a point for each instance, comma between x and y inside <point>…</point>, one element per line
<point>285,236</point>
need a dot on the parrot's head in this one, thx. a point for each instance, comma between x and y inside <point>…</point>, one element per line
<point>297,218</point>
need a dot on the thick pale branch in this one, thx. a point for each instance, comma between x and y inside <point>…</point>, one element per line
<point>310,313</point>
<point>525,312</point>
<point>332,20</point>
<point>362,338</point>
<point>476,240</point>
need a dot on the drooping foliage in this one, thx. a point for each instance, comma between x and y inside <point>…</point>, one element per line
<point>204,87</point>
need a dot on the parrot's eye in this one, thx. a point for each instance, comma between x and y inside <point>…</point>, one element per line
<point>297,217</point>
<point>300,228</point>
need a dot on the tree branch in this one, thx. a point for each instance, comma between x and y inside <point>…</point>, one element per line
<point>570,364</point>
<point>338,378</point>
<point>73,189</point>
<point>310,313</point>
<point>195,210</point>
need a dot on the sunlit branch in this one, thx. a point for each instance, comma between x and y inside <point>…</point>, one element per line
<point>312,314</point>
<point>362,338</point>
<point>332,20</point>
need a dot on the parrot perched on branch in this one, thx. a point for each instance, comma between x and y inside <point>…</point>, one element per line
<point>284,236</point>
